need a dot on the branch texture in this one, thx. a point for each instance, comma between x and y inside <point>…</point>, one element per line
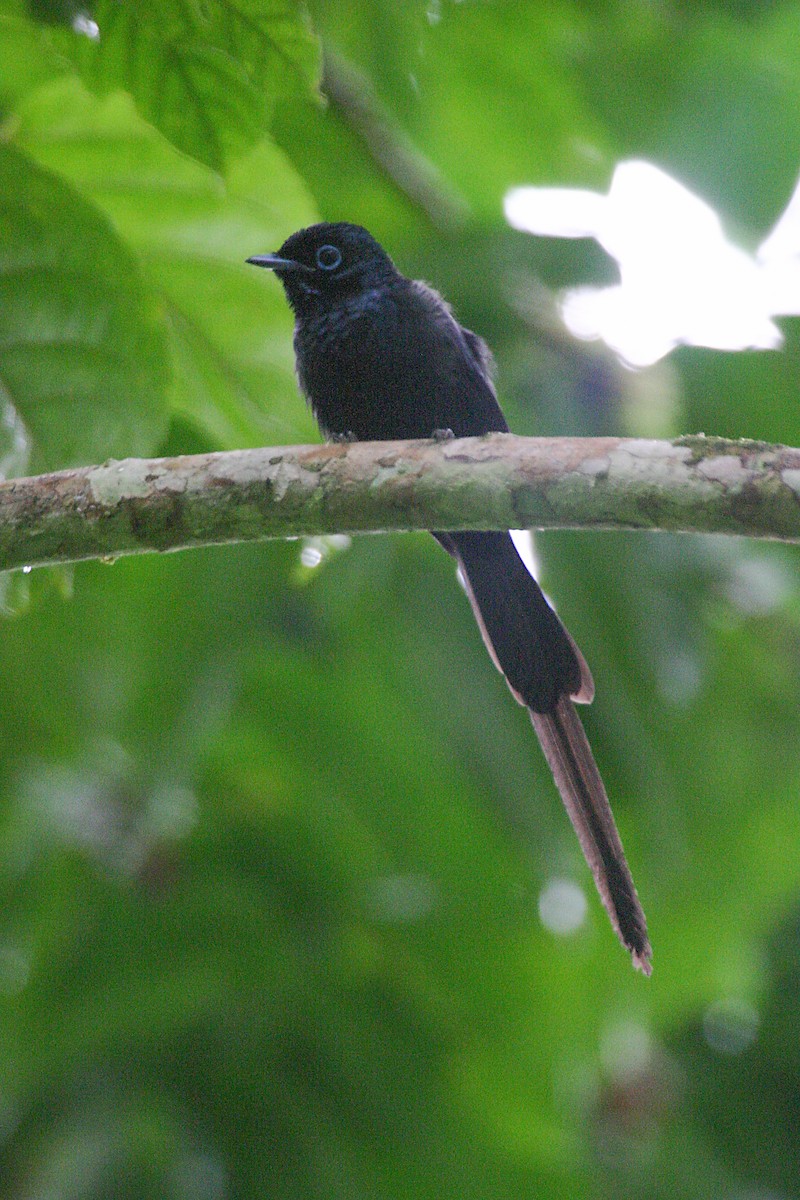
<point>501,481</point>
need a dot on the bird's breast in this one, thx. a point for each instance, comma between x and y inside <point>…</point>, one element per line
<point>392,363</point>
<point>364,371</point>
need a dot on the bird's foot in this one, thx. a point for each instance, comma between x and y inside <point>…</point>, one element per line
<point>443,435</point>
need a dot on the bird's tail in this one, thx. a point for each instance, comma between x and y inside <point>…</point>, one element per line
<point>569,755</point>
<point>546,672</point>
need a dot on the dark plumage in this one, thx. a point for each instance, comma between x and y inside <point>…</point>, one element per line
<point>380,356</point>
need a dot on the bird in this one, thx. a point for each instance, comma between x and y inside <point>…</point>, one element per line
<point>381,357</point>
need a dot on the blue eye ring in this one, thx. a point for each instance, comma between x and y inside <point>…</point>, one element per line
<point>328,258</point>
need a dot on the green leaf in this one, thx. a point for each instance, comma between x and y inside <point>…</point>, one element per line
<point>83,358</point>
<point>206,75</point>
<point>229,327</point>
<point>28,57</point>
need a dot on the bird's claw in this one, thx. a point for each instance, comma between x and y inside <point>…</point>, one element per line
<point>443,435</point>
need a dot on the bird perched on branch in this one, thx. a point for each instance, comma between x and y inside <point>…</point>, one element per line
<point>380,357</point>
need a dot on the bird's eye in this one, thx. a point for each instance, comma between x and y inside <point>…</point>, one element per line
<point>328,258</point>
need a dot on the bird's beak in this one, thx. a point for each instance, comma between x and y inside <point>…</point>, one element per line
<point>274,262</point>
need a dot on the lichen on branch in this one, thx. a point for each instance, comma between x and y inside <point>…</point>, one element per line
<point>499,481</point>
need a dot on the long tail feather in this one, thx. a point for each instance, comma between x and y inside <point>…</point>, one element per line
<point>547,673</point>
<point>578,780</point>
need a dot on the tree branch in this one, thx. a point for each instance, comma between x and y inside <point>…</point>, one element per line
<point>498,482</point>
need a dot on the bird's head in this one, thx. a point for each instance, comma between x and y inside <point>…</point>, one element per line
<point>327,261</point>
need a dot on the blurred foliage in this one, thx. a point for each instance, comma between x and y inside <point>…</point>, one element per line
<point>272,832</point>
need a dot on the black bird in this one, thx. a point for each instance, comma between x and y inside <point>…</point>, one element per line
<point>379,357</point>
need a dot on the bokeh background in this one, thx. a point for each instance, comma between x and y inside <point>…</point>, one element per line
<point>289,904</point>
